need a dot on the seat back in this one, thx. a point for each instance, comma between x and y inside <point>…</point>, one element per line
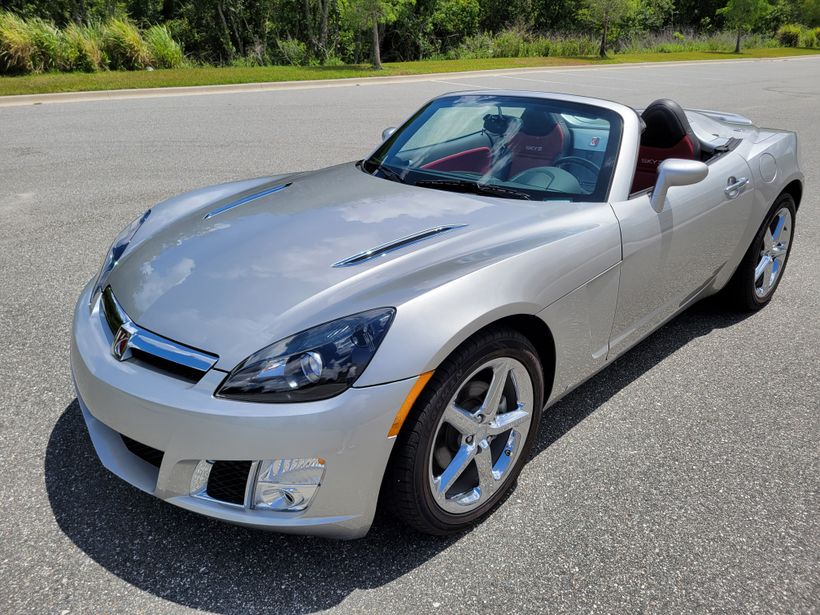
<point>538,142</point>
<point>668,134</point>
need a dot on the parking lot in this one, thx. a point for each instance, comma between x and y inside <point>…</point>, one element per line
<point>685,477</point>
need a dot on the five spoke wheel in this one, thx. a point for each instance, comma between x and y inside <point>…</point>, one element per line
<point>776,240</point>
<point>480,434</point>
<point>469,433</point>
<point>758,275</point>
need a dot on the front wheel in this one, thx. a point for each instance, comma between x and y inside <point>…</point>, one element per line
<point>759,273</point>
<point>473,428</point>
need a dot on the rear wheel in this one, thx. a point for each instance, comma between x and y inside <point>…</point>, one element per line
<point>759,273</point>
<point>472,430</point>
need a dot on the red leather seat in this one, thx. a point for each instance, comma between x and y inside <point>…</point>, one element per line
<point>668,134</point>
<point>538,142</point>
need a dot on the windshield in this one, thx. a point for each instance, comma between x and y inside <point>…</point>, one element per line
<point>506,146</point>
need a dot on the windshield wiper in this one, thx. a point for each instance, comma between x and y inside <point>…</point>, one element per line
<point>389,172</point>
<point>463,185</point>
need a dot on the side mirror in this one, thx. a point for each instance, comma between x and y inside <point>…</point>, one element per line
<point>676,172</point>
<point>387,132</point>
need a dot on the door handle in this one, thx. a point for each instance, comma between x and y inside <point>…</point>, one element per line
<point>735,186</point>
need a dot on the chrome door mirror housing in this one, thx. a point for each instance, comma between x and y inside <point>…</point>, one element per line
<point>387,132</point>
<point>676,172</point>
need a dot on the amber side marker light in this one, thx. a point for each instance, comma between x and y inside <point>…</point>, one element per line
<point>418,387</point>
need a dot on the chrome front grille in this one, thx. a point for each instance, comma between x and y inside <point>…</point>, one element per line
<point>132,341</point>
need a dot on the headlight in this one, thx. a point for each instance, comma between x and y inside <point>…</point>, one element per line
<point>314,364</point>
<point>117,249</point>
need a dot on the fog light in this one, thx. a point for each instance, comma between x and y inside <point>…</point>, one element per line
<point>287,484</point>
<point>199,480</point>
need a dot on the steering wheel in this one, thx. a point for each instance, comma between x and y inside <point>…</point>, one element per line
<point>588,177</point>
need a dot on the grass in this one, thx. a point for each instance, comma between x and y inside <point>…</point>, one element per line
<point>114,80</point>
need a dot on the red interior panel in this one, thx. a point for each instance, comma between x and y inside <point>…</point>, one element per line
<point>475,160</point>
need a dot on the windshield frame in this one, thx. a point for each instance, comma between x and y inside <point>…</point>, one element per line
<point>376,161</point>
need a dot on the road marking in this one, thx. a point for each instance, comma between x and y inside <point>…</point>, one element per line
<point>461,83</point>
<point>571,84</point>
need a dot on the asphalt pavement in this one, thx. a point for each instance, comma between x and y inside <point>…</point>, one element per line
<point>685,477</point>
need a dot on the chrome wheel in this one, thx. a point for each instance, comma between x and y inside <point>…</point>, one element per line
<point>480,435</point>
<point>773,253</point>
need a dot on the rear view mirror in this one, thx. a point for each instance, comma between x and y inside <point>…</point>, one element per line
<point>676,172</point>
<point>387,133</point>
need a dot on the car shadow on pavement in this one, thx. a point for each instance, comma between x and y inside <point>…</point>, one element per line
<point>205,564</point>
<point>702,318</point>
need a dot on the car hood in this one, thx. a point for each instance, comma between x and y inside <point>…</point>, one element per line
<point>238,280</point>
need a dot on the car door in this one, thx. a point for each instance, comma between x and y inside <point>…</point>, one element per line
<point>670,256</point>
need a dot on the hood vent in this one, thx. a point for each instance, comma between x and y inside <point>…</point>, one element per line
<point>385,248</point>
<point>245,199</point>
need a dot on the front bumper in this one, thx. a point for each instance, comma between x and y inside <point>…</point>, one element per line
<point>188,424</point>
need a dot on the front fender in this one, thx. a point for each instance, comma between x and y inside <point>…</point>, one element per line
<point>428,327</point>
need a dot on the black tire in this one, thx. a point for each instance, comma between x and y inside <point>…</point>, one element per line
<point>408,492</point>
<point>739,293</point>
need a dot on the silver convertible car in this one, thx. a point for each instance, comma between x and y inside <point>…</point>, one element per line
<point>285,352</point>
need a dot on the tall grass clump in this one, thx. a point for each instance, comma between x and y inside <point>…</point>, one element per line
<point>16,45</point>
<point>674,42</point>
<point>124,46</point>
<point>84,47</point>
<point>809,37</point>
<point>513,43</point>
<point>789,35</point>
<point>474,47</point>
<point>49,49</point>
<point>508,44</point>
<point>163,49</point>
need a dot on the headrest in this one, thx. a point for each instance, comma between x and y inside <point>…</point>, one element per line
<point>666,124</point>
<point>537,122</point>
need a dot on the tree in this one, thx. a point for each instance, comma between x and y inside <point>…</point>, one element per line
<point>374,13</point>
<point>601,14</point>
<point>317,22</point>
<point>743,15</point>
<point>810,12</point>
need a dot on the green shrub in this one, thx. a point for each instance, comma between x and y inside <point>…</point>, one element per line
<point>808,37</point>
<point>575,46</point>
<point>124,46</point>
<point>293,51</point>
<point>473,47</point>
<point>454,19</point>
<point>244,62</point>
<point>508,44</point>
<point>760,41</point>
<point>518,44</point>
<point>16,45</point>
<point>789,35</point>
<point>537,47</point>
<point>333,60</point>
<point>164,50</point>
